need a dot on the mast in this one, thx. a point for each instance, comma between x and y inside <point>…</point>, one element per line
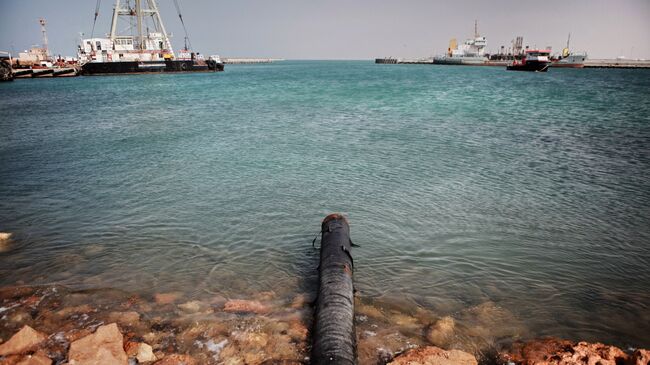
<point>138,14</point>
<point>475,28</point>
<point>42,22</point>
<point>146,13</point>
<point>567,41</point>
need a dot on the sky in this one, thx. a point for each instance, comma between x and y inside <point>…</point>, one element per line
<point>350,29</point>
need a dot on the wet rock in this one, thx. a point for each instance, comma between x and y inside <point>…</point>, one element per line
<point>23,341</point>
<point>36,359</point>
<point>176,359</point>
<point>441,332</point>
<point>431,355</point>
<point>102,347</point>
<point>640,357</point>
<point>245,306</point>
<point>166,298</point>
<point>561,352</point>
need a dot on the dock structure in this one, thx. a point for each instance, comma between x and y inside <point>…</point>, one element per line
<point>617,63</point>
<point>247,61</point>
<point>334,340</point>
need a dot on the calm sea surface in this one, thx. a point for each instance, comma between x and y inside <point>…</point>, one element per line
<point>463,185</point>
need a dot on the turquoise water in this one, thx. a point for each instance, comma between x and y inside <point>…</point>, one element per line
<point>462,185</point>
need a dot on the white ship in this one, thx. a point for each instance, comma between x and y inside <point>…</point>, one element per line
<point>471,52</point>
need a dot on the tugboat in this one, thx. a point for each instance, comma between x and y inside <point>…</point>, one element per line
<point>534,60</point>
<point>146,49</point>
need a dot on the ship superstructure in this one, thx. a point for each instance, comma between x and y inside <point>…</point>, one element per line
<point>138,42</point>
<point>472,51</point>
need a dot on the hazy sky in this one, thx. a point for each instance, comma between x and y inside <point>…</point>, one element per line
<point>350,29</point>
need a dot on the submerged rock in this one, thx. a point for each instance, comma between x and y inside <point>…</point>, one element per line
<point>23,341</point>
<point>102,347</point>
<point>431,355</point>
<point>166,298</point>
<point>191,307</point>
<point>441,332</point>
<point>4,240</point>
<point>245,306</point>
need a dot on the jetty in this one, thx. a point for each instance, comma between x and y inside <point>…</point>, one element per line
<point>246,61</point>
<point>617,63</point>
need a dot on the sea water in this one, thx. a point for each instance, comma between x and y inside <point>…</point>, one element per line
<point>462,185</point>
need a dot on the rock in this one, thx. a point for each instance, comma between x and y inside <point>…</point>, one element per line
<point>141,351</point>
<point>191,307</point>
<point>561,352</point>
<point>245,306</point>
<point>166,298</point>
<point>641,357</point>
<point>176,359</point>
<point>36,359</point>
<point>24,340</point>
<point>431,355</point>
<point>129,318</point>
<point>102,347</point>
<point>4,236</point>
<point>441,332</point>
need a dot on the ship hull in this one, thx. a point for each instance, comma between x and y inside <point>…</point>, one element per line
<point>131,67</point>
<point>529,66</point>
<point>567,65</point>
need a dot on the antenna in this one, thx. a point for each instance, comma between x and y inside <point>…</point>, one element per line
<point>42,22</point>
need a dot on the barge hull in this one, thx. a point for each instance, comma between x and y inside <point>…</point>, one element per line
<point>107,68</point>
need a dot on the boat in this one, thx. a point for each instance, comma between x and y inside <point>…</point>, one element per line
<point>534,60</point>
<point>146,48</point>
<point>569,59</point>
<point>471,52</point>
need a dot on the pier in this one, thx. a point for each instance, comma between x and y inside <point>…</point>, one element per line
<point>617,63</point>
<point>247,61</point>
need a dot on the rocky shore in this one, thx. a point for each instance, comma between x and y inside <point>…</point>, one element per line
<point>57,325</point>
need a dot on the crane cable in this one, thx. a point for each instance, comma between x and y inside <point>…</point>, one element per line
<point>92,33</point>
<point>180,16</point>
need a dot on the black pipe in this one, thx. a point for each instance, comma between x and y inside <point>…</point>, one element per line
<point>334,340</point>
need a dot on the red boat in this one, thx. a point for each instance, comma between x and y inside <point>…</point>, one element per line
<point>534,60</point>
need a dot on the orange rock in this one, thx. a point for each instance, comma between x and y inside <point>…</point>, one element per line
<point>641,357</point>
<point>561,352</point>
<point>102,347</point>
<point>24,340</point>
<point>176,359</point>
<point>245,306</point>
<point>431,355</point>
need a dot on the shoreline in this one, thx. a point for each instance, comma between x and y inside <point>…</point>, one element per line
<point>171,329</point>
